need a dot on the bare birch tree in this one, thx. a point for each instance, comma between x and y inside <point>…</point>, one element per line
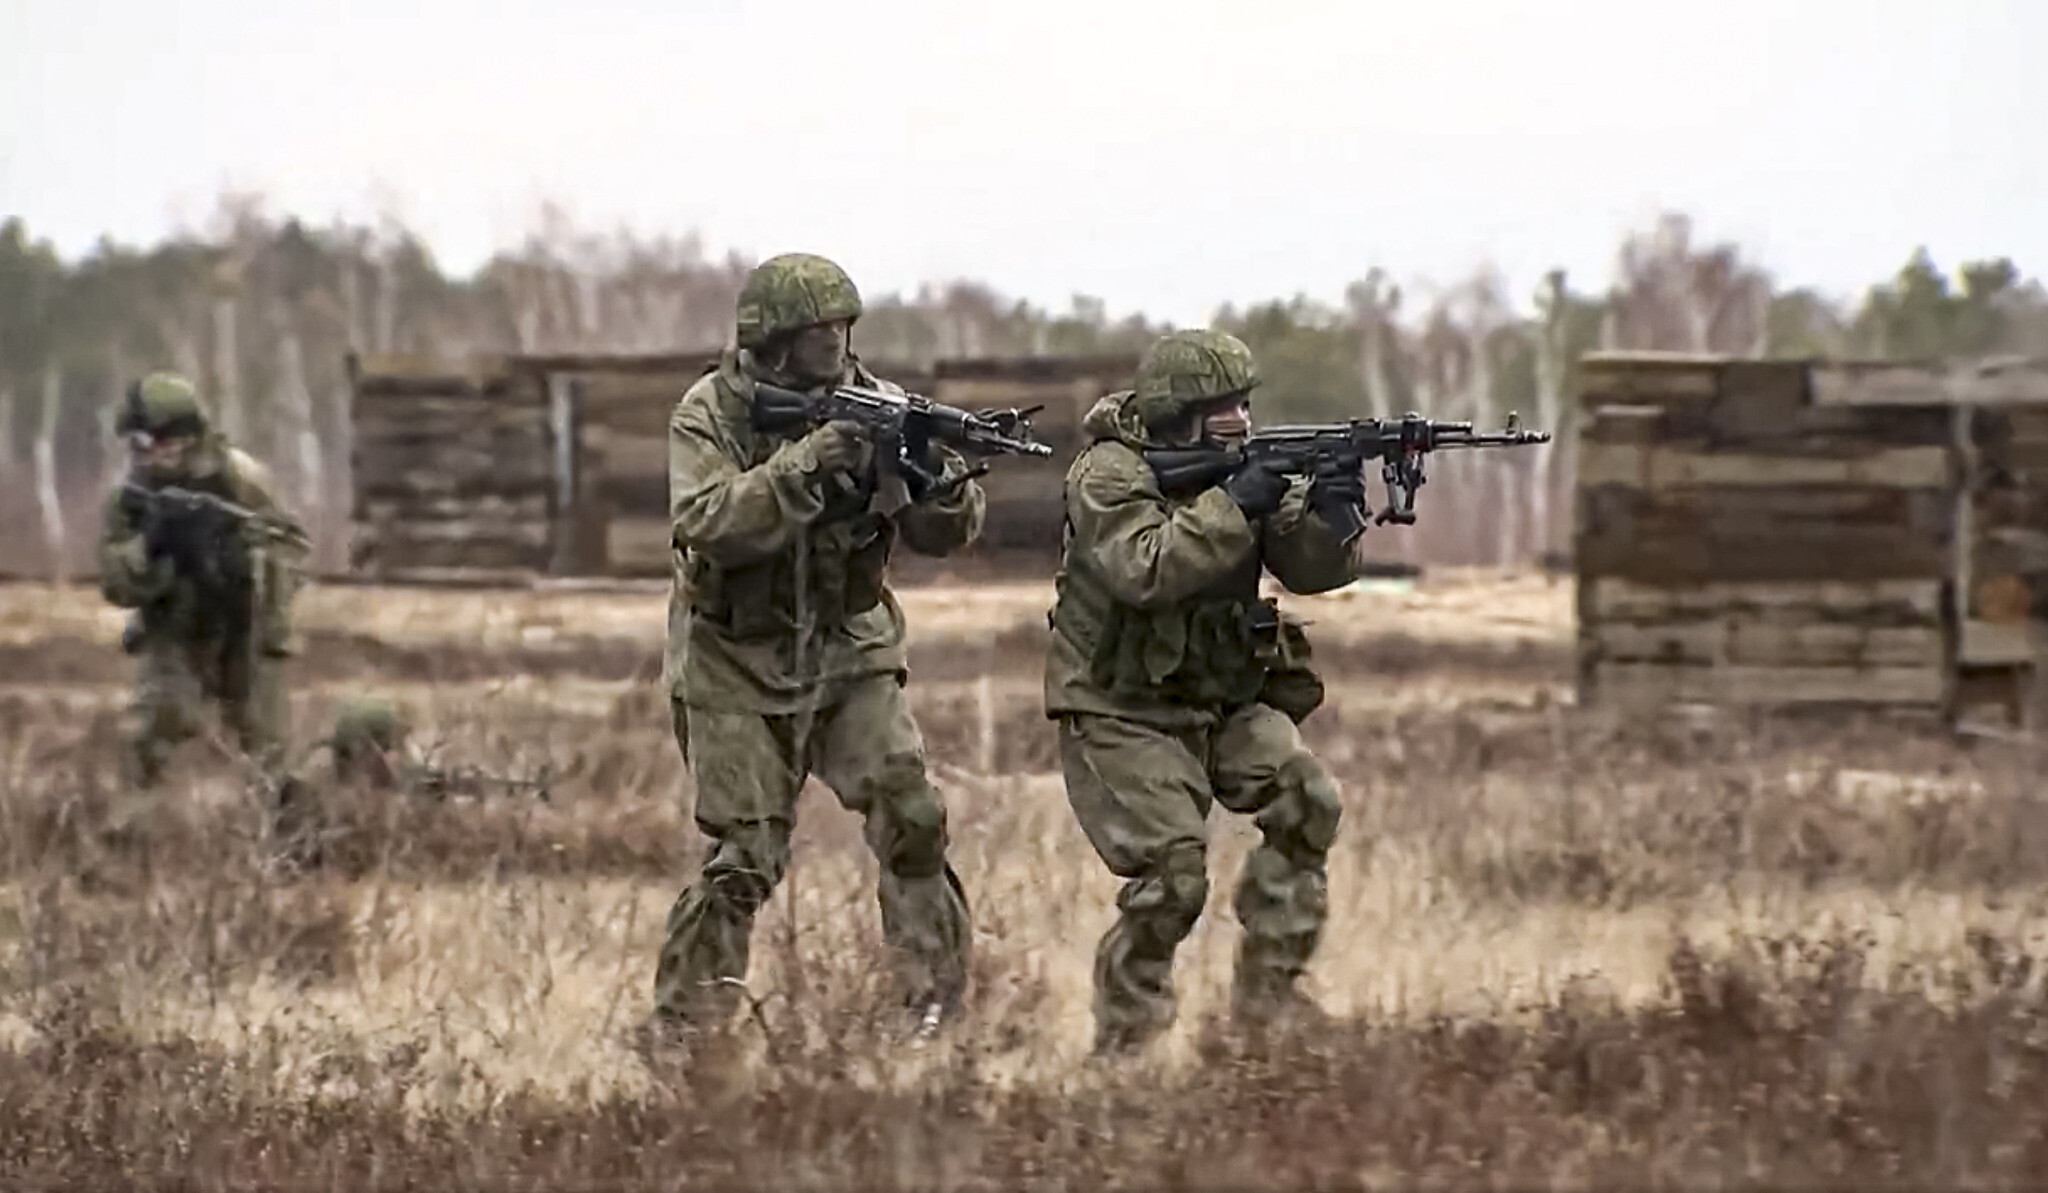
<point>1375,306</point>
<point>48,500</point>
<point>1672,296</point>
<point>1554,411</point>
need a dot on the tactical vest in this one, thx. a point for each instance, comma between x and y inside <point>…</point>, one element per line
<point>848,556</point>
<point>1202,650</point>
<point>1223,647</point>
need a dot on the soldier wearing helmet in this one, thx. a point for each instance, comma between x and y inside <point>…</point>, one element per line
<point>189,655</point>
<point>786,650</point>
<point>369,748</point>
<point>1175,686</point>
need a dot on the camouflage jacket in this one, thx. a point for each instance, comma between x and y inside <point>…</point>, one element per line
<point>1155,595</point>
<point>168,603</point>
<point>761,547</point>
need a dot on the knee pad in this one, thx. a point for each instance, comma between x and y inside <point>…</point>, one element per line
<point>1302,819</point>
<point>1169,896</point>
<point>745,867</point>
<point>916,837</point>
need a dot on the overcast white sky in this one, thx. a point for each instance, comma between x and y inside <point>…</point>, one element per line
<point>1163,156</point>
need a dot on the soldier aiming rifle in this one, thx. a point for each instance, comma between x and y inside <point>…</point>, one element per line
<point>786,652</point>
<point>1177,688</point>
<point>196,543</point>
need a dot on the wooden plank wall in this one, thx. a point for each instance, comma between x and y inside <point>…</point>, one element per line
<point>456,470</point>
<point>622,411</point>
<point>1025,504</point>
<point>2010,523</point>
<point>1998,409</point>
<point>1738,543</point>
<point>453,471</point>
<point>623,490</point>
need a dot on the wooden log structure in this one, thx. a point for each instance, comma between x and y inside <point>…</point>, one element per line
<point>1026,505</point>
<point>1789,532</point>
<point>558,464</point>
<point>453,469</point>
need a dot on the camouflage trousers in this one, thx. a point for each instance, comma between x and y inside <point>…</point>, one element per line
<point>1142,796</point>
<point>177,681</point>
<point>748,771</point>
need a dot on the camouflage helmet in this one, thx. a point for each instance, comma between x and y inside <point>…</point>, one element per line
<point>793,291</point>
<point>1186,368</point>
<point>368,724</point>
<point>161,405</point>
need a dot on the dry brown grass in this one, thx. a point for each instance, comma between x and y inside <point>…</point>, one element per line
<point>1562,954</point>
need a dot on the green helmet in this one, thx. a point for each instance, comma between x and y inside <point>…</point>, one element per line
<point>1183,369</point>
<point>162,404</point>
<point>793,291</point>
<point>368,723</point>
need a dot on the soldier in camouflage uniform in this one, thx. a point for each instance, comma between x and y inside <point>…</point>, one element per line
<point>191,649</point>
<point>369,742</point>
<point>366,750</point>
<point>786,649</point>
<point>1175,686</point>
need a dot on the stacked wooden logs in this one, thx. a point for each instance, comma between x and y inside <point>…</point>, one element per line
<point>623,464</point>
<point>1025,497</point>
<point>453,473</point>
<point>1740,543</point>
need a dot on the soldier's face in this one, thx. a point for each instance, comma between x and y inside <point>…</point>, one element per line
<point>818,353</point>
<point>164,455</point>
<point>1229,422</point>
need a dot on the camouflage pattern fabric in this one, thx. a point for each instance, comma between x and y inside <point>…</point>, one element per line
<point>175,683</point>
<point>748,770</point>
<point>1139,562</point>
<point>792,291</point>
<point>786,655</point>
<point>766,541</point>
<point>182,667</point>
<point>1142,796</point>
<point>1157,719</point>
<point>1184,369</point>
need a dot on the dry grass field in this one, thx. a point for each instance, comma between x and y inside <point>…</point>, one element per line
<point>1564,951</point>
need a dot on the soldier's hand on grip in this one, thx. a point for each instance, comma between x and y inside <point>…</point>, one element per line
<point>837,446</point>
<point>1257,489</point>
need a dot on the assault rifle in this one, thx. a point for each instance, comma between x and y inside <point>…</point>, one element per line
<point>1398,443</point>
<point>195,531</point>
<point>205,536</point>
<point>441,782</point>
<point>906,422</point>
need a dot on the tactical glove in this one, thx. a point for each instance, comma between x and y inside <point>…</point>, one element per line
<point>836,446</point>
<point>1257,489</point>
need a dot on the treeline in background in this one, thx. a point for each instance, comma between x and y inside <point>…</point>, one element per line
<point>261,310</point>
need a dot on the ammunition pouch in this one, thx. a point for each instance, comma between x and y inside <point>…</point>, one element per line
<point>1222,652</point>
<point>1201,652</point>
<point>849,569</point>
<point>740,601</point>
<point>1291,685</point>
